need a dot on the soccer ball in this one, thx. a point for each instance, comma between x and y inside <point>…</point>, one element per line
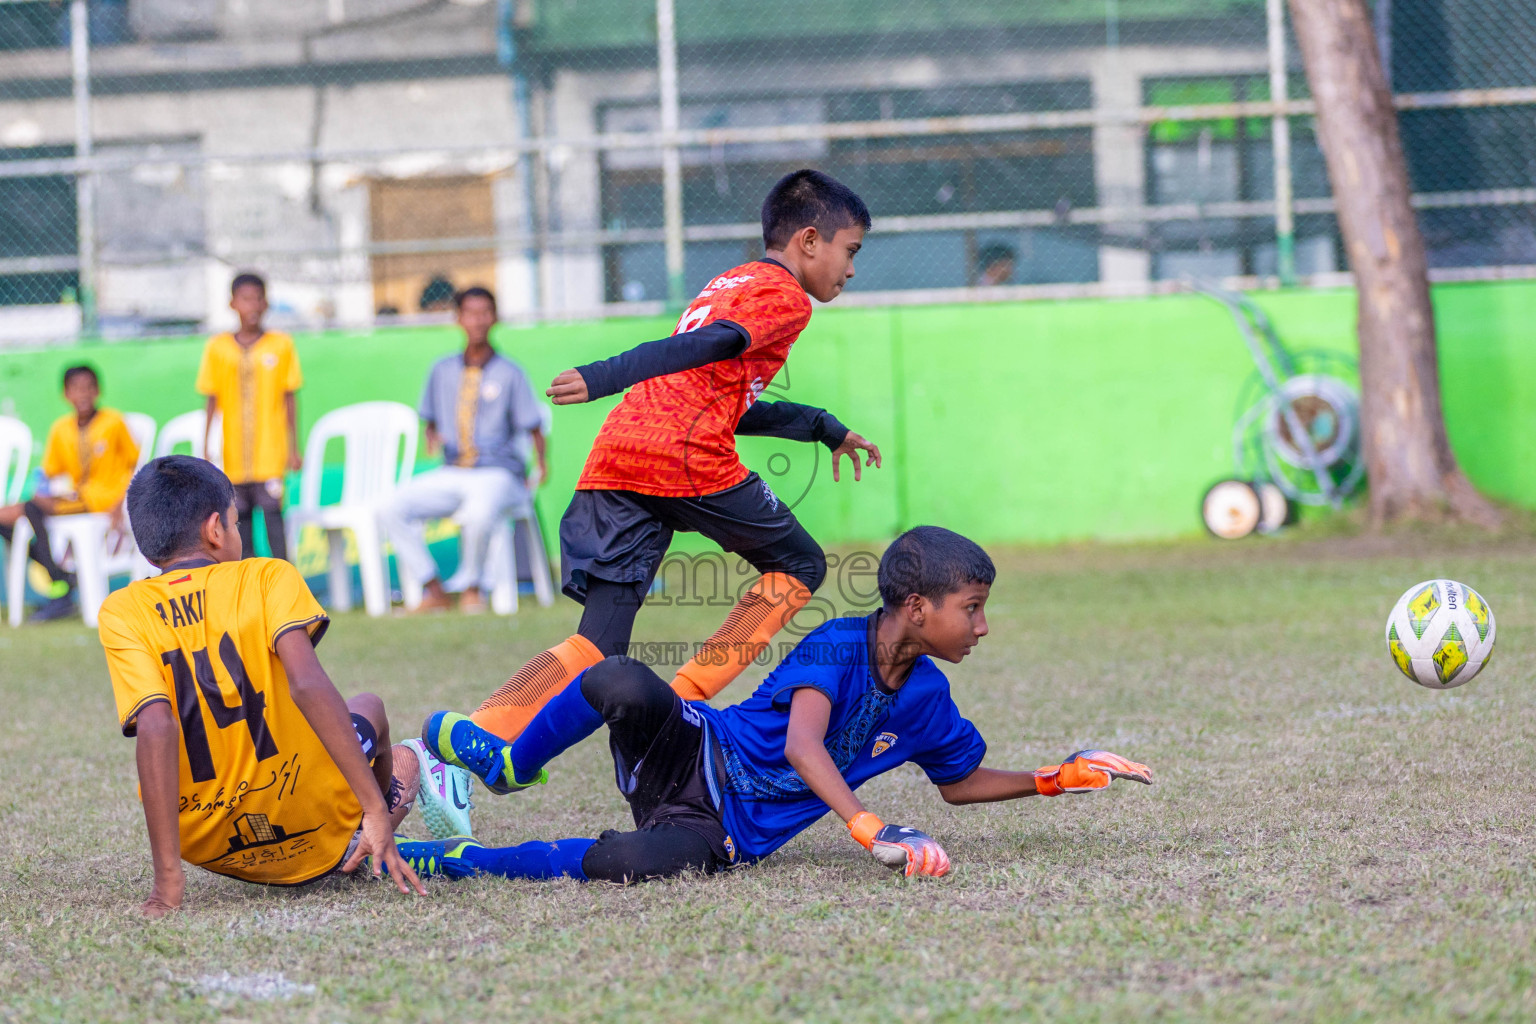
<point>1440,633</point>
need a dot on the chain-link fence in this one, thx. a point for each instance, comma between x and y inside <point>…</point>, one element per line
<point>609,156</point>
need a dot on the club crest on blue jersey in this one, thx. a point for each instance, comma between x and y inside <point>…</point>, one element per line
<point>883,742</point>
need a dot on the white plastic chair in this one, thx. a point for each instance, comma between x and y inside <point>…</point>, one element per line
<point>88,537</point>
<point>141,425</point>
<point>506,580</point>
<point>501,551</point>
<point>186,429</point>
<point>190,428</point>
<point>15,459</point>
<point>501,554</point>
<point>380,440</point>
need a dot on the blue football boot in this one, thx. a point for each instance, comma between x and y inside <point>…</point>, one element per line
<point>458,741</point>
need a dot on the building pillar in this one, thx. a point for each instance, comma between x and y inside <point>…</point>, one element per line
<point>1120,168</point>
<point>352,296</point>
<point>574,281</point>
<point>517,283</point>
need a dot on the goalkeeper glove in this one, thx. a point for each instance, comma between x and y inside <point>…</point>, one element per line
<point>1087,770</point>
<point>899,848</point>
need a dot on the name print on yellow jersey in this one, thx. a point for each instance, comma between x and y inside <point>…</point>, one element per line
<point>186,610</point>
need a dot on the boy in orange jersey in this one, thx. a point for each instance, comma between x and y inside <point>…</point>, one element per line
<point>251,377</point>
<point>665,459</point>
<point>94,450</point>
<point>250,763</point>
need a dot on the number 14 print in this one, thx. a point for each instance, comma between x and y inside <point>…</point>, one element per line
<point>189,679</point>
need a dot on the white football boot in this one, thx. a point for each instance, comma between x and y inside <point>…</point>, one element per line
<point>443,802</point>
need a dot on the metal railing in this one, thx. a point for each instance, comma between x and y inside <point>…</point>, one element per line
<point>582,211</point>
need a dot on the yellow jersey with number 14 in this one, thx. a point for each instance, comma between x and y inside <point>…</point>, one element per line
<point>260,798</point>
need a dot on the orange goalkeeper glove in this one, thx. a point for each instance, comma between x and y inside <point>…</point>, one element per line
<point>1087,770</point>
<point>899,848</point>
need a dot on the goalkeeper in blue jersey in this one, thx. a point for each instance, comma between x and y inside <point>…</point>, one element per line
<point>713,788</point>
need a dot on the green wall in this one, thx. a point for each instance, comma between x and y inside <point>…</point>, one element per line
<point>597,24</point>
<point>1025,422</point>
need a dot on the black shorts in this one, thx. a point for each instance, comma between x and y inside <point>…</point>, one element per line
<point>366,737</point>
<point>669,784</point>
<point>622,536</point>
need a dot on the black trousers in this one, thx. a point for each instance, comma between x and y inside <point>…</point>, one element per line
<point>40,549</point>
<point>658,746</point>
<point>249,497</point>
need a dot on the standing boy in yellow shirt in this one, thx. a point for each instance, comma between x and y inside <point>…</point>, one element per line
<point>94,450</point>
<point>251,377</point>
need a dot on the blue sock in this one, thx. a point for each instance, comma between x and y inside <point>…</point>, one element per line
<point>564,722</point>
<point>529,860</point>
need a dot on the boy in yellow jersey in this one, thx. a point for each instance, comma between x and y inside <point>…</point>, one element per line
<point>91,448</point>
<point>250,763</point>
<point>251,377</point>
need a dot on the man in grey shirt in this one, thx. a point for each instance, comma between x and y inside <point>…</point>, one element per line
<point>481,413</point>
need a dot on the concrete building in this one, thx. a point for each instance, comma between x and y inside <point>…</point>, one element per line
<point>357,150</point>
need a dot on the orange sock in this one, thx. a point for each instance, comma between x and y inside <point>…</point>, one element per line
<point>762,611</point>
<point>508,711</point>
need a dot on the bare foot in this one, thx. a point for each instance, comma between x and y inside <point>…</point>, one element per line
<point>433,599</point>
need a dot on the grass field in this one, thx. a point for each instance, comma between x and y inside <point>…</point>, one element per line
<point>1326,841</point>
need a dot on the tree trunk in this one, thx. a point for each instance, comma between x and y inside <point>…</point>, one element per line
<point>1408,459</point>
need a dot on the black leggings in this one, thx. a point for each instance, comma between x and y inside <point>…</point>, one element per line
<point>635,702</point>
<point>659,751</point>
<point>608,619</point>
<point>660,851</point>
<point>40,549</point>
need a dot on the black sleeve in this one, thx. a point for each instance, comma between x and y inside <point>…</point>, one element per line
<point>699,347</point>
<point>793,422</point>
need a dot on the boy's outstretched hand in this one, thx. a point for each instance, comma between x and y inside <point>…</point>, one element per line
<point>1088,770</point>
<point>570,388</point>
<point>851,446</point>
<point>898,847</point>
<point>377,846</point>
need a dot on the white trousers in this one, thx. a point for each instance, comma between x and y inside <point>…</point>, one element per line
<point>476,497</point>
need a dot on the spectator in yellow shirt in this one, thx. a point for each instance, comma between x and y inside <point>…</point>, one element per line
<point>251,376</point>
<point>88,460</point>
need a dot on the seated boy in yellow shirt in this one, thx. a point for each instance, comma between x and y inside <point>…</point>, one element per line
<point>93,450</point>
<point>250,763</point>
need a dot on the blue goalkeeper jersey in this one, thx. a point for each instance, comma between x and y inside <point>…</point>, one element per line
<point>764,802</point>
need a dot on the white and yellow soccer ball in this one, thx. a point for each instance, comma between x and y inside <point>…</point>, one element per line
<point>1440,633</point>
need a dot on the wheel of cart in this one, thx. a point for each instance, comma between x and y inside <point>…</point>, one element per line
<point>1276,509</point>
<point>1232,509</point>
